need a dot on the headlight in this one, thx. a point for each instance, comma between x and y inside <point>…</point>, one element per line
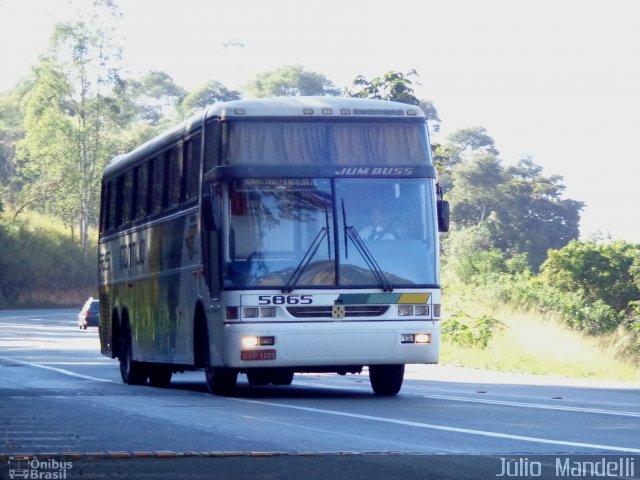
<point>248,342</point>
<point>252,341</point>
<point>250,312</point>
<point>268,312</point>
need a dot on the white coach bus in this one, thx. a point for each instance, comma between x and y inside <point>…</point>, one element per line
<point>274,236</point>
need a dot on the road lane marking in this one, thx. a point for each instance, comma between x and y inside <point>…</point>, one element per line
<point>542,406</point>
<point>59,370</point>
<point>381,419</point>
<point>444,428</point>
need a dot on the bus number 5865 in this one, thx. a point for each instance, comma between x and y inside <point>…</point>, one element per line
<point>285,299</point>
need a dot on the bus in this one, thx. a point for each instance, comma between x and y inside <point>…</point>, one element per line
<point>239,242</point>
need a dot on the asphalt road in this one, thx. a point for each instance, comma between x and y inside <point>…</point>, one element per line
<point>60,400</point>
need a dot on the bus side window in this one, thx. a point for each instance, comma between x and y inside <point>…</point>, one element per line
<point>127,198</point>
<point>119,200</point>
<point>212,144</point>
<point>110,221</point>
<point>104,201</point>
<point>142,190</point>
<point>190,170</point>
<point>173,175</point>
<point>156,175</point>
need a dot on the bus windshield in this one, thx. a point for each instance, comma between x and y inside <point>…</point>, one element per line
<point>306,232</point>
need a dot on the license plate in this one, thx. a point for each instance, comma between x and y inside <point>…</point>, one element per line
<point>253,355</point>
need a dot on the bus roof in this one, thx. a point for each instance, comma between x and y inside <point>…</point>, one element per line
<point>289,107</point>
<point>313,107</point>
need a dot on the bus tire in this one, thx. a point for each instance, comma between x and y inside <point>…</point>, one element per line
<point>160,376</point>
<point>132,372</point>
<point>282,377</point>
<point>386,380</point>
<point>258,378</point>
<point>221,381</point>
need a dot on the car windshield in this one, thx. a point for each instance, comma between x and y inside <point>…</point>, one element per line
<point>287,233</point>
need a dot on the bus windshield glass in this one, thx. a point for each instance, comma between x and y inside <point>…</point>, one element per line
<point>327,143</point>
<point>288,232</point>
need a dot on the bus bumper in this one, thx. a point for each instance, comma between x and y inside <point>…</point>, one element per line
<point>339,343</point>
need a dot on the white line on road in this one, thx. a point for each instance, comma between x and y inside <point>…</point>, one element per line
<point>59,370</point>
<point>541,406</point>
<point>409,423</point>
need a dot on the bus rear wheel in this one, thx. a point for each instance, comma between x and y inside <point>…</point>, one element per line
<point>386,379</point>
<point>132,372</point>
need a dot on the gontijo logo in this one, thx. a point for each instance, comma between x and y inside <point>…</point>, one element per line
<point>50,469</point>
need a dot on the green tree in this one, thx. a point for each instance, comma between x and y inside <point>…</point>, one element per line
<point>471,256</point>
<point>430,111</point>
<point>471,141</point>
<point>461,145</point>
<point>396,87</point>
<point>602,272</point>
<point>11,131</point>
<point>523,210</point>
<point>478,189</point>
<point>290,81</point>
<point>393,86</point>
<point>45,153</point>
<point>157,97</point>
<point>540,219</point>
<point>74,117</point>
<point>210,93</point>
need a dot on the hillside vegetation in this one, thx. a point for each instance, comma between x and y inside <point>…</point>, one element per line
<point>530,342</point>
<point>557,321</point>
<point>41,265</point>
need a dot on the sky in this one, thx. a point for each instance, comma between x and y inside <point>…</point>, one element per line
<point>555,80</point>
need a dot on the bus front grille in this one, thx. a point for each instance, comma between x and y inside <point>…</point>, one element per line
<point>350,311</point>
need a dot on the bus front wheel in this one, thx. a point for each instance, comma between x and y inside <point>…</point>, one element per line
<point>386,379</point>
<point>132,372</point>
<point>220,381</point>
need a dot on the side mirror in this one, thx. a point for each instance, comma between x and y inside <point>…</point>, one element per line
<point>211,209</point>
<point>443,215</point>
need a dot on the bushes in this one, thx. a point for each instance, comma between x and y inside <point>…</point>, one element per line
<point>606,273</point>
<point>593,288</point>
<point>465,331</point>
<point>42,266</point>
<point>574,309</point>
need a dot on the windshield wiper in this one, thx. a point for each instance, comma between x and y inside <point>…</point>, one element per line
<point>309,254</point>
<point>352,234</point>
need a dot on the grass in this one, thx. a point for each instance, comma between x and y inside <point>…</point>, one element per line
<point>532,344</point>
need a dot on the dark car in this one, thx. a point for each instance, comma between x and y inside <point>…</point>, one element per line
<point>89,315</point>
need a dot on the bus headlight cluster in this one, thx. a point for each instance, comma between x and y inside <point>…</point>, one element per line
<point>415,338</point>
<point>252,341</point>
<point>255,312</point>
<point>413,310</point>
